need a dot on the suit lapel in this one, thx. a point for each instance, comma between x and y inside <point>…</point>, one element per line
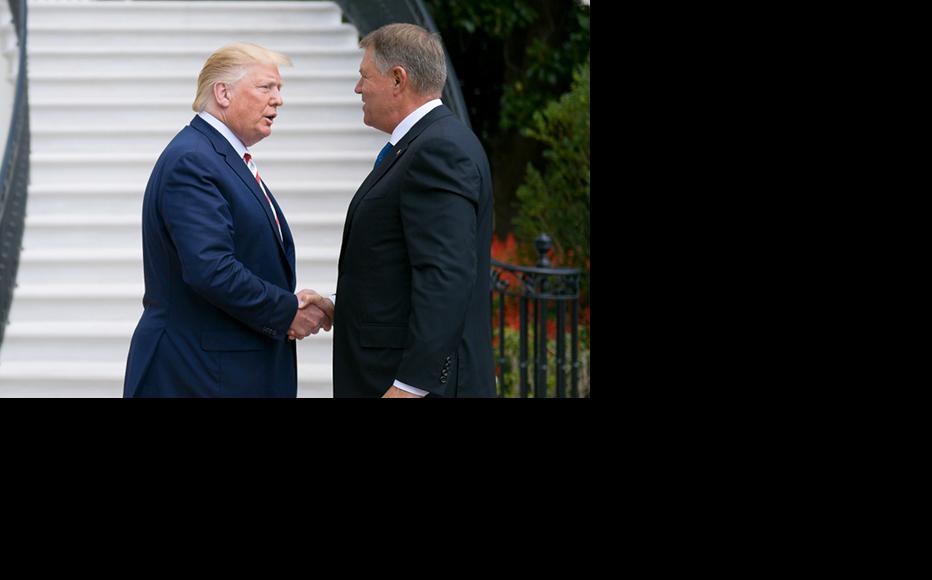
<point>383,168</point>
<point>374,176</point>
<point>288,241</point>
<point>223,148</point>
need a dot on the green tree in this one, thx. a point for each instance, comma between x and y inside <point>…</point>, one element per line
<point>511,58</point>
<point>555,199</point>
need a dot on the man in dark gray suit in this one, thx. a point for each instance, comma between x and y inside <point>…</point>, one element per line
<point>412,311</point>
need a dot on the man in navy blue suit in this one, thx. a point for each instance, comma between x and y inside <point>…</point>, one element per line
<point>219,258</point>
<point>412,305</point>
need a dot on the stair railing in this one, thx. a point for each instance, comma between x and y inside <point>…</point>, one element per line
<point>14,174</point>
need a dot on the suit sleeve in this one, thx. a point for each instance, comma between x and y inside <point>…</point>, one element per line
<point>200,224</point>
<point>439,204</point>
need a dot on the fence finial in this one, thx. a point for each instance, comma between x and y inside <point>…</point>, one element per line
<point>543,244</point>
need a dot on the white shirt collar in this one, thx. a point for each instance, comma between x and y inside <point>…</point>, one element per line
<point>405,125</point>
<point>226,132</point>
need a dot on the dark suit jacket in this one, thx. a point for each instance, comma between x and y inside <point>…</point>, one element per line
<point>219,281</point>
<point>413,290</point>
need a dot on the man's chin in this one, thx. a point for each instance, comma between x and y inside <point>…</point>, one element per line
<point>262,134</point>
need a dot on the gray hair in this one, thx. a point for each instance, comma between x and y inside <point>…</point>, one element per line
<point>414,49</point>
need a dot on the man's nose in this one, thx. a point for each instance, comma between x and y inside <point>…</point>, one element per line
<point>277,100</point>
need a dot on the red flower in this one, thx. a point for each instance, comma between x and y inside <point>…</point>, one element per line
<point>505,250</point>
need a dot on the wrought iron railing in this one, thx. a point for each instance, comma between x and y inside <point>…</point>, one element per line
<point>14,174</point>
<point>537,293</point>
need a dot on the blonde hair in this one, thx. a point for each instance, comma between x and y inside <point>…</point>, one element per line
<point>228,65</point>
<point>413,48</point>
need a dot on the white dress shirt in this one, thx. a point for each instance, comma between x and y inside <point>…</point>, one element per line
<point>241,150</point>
<point>411,120</point>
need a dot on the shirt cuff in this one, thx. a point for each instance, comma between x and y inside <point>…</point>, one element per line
<point>409,389</point>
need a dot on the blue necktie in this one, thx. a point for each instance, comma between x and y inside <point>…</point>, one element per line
<point>388,147</point>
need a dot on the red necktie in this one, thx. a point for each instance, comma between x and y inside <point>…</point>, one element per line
<point>255,173</point>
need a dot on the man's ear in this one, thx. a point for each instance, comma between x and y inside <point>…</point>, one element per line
<point>222,94</point>
<point>400,78</point>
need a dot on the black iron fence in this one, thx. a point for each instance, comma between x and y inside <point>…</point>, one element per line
<point>14,174</point>
<point>524,301</point>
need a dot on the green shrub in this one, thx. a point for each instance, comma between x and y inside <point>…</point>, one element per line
<point>555,200</point>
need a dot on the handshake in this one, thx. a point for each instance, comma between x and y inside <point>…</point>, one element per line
<point>314,312</point>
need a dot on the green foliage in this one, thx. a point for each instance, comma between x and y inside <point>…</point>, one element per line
<point>491,17</point>
<point>547,70</point>
<point>555,200</point>
<point>525,49</point>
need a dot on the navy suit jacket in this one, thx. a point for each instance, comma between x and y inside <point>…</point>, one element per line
<point>413,299</point>
<point>220,282</point>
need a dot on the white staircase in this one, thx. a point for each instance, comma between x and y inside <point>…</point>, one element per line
<point>110,83</point>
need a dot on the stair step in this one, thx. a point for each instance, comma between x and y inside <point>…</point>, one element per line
<point>294,197</point>
<point>54,168</point>
<point>183,60</point>
<point>83,85</point>
<point>105,254</point>
<point>103,220</point>
<point>118,189</point>
<point>107,342</point>
<point>176,113</point>
<point>56,379</point>
<point>125,267</point>
<point>204,36</point>
<point>152,140</point>
<point>72,230</point>
<point>105,380</point>
<point>41,304</point>
<point>170,13</point>
<point>88,303</point>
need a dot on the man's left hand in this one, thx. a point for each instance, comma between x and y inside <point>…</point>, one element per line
<point>394,392</point>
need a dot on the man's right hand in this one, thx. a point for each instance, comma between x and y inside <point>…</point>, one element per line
<point>314,312</point>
